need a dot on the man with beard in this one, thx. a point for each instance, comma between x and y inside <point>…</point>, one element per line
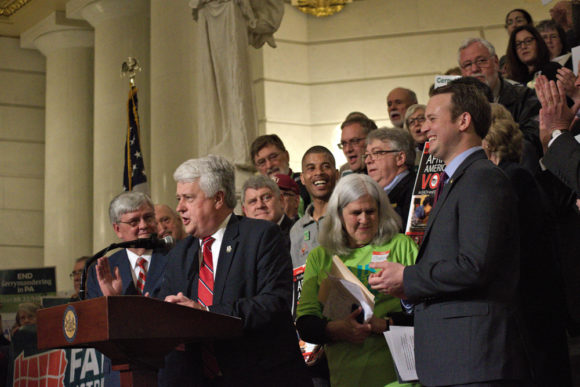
<point>398,100</point>
<point>271,157</point>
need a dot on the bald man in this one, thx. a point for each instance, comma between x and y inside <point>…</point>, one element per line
<point>168,222</point>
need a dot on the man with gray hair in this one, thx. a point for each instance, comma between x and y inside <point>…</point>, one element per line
<point>390,160</point>
<point>235,266</point>
<point>168,223</point>
<point>398,100</point>
<point>133,217</point>
<point>477,58</point>
<point>262,199</point>
<point>136,270</point>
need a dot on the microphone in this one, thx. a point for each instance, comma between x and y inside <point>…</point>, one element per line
<point>148,243</point>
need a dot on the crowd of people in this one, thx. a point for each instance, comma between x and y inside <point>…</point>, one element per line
<point>492,292</point>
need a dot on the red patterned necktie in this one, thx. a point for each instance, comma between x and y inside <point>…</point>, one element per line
<point>142,275</point>
<point>205,297</point>
<point>440,186</point>
<point>205,284</point>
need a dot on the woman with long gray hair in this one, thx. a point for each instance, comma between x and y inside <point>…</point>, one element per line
<point>360,227</point>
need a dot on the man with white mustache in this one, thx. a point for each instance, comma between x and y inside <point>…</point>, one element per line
<point>398,100</point>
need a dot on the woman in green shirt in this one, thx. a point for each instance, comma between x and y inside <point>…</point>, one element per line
<point>360,226</point>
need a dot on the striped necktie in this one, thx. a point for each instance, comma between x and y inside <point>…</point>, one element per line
<point>142,275</point>
<point>205,284</point>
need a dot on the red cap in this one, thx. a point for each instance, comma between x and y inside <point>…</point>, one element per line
<point>285,182</point>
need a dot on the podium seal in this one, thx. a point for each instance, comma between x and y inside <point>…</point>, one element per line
<point>70,323</point>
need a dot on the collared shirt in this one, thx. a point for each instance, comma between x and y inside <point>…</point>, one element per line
<point>396,180</point>
<point>281,219</point>
<point>216,245</point>
<point>304,237</point>
<point>133,262</point>
<point>456,162</point>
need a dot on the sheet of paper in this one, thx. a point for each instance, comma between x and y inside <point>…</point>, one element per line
<point>360,297</point>
<point>401,342</point>
<point>575,58</point>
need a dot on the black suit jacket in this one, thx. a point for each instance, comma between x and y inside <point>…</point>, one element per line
<point>563,160</point>
<point>400,196</point>
<point>254,282</point>
<point>464,284</point>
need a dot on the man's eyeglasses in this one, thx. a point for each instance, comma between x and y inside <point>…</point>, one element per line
<point>149,219</point>
<point>376,155</point>
<point>527,41</point>
<point>418,119</point>
<point>479,62</point>
<point>353,142</point>
<point>270,157</point>
<point>550,36</point>
<point>76,273</point>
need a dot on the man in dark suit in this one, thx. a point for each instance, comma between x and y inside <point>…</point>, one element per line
<point>251,279</point>
<point>464,284</point>
<point>262,199</point>
<point>390,160</point>
<point>133,216</point>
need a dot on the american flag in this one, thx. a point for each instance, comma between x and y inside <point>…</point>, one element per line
<point>134,178</point>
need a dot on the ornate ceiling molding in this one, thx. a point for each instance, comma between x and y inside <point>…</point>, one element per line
<point>320,8</point>
<point>9,7</point>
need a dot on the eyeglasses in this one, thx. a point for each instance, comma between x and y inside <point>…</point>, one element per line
<point>76,273</point>
<point>418,119</point>
<point>353,142</point>
<point>149,219</point>
<point>550,37</point>
<point>271,157</point>
<point>376,155</point>
<point>527,41</point>
<point>479,62</point>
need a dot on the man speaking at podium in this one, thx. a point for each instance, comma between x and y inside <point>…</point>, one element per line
<point>234,266</point>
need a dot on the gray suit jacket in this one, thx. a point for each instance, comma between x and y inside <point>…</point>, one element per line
<point>465,280</point>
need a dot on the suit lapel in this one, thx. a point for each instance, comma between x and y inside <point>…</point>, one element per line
<point>227,252</point>
<point>155,271</point>
<point>447,190</point>
<point>125,270</point>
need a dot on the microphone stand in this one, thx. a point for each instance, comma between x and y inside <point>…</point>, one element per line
<point>82,291</point>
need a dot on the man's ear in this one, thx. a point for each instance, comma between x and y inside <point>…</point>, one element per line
<point>302,178</point>
<point>117,229</point>
<point>220,200</point>
<point>401,159</point>
<point>464,121</point>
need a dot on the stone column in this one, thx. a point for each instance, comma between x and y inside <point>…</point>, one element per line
<point>121,30</point>
<point>68,47</point>
<point>173,121</point>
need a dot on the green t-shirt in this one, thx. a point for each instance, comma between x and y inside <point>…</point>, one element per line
<point>370,363</point>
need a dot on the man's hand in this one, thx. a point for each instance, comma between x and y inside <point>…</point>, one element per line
<point>180,299</point>
<point>568,81</point>
<point>110,284</point>
<point>555,113</point>
<point>348,329</point>
<point>389,280</point>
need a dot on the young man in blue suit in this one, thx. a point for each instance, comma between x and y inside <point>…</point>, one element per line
<point>464,284</point>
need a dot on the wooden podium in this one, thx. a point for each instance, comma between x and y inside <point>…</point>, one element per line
<point>135,332</point>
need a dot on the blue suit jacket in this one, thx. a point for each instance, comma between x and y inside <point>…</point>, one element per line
<point>254,282</point>
<point>465,281</point>
<point>120,260</point>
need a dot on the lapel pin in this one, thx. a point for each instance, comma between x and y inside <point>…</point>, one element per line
<point>229,249</point>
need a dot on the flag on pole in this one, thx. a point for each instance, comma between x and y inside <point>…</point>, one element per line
<point>134,178</point>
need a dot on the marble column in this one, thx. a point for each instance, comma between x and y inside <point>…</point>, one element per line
<point>173,121</point>
<point>121,31</point>
<point>68,47</point>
